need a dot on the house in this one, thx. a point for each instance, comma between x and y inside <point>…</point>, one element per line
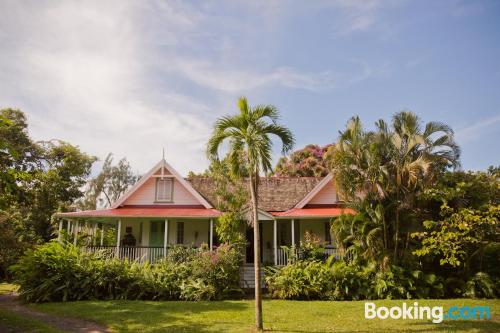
<point>163,209</point>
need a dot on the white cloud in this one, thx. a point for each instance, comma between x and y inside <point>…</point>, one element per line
<point>237,80</point>
<point>130,77</point>
<point>475,130</point>
<point>80,75</point>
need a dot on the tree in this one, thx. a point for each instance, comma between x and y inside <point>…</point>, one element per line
<point>460,235</point>
<point>109,184</point>
<point>391,165</point>
<point>306,162</point>
<point>37,178</point>
<point>414,157</point>
<point>461,213</point>
<point>249,133</point>
<point>231,198</point>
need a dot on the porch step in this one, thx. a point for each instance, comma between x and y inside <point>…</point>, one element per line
<point>247,277</point>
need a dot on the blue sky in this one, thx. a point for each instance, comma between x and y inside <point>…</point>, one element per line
<point>131,77</point>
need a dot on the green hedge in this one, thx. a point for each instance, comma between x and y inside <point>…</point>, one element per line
<point>55,272</point>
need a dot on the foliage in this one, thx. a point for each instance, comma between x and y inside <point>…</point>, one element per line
<point>481,286</point>
<point>309,161</point>
<point>300,280</point>
<point>55,272</point>
<point>338,280</point>
<point>390,166</point>
<point>108,185</point>
<point>311,248</point>
<point>249,135</point>
<point>36,180</point>
<point>461,234</point>
<point>359,236</point>
<point>231,199</point>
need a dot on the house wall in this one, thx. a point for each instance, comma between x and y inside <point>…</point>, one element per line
<point>315,226</point>
<point>145,195</point>
<point>191,227</point>
<point>136,230</point>
<point>327,195</point>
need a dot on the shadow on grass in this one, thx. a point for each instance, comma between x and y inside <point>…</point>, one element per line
<point>479,326</point>
<point>151,316</point>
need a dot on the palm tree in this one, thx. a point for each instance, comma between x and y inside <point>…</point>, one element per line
<point>388,166</point>
<point>248,133</point>
<point>414,157</point>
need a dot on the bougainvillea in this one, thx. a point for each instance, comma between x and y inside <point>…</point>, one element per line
<point>309,161</point>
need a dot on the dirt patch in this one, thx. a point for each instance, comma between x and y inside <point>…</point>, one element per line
<point>11,303</point>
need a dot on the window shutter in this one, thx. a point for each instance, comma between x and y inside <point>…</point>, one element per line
<point>164,190</point>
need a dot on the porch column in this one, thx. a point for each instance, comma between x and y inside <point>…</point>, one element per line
<point>275,234</point>
<point>118,236</point>
<point>59,231</point>
<point>75,231</point>
<point>165,238</point>
<point>102,234</point>
<point>293,232</point>
<point>94,230</point>
<point>211,234</point>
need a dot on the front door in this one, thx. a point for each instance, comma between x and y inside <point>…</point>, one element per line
<point>156,233</point>
<point>249,249</point>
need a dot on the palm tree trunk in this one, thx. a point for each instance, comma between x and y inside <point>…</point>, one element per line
<point>256,251</point>
<point>396,237</point>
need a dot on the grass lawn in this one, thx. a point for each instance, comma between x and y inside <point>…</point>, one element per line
<point>279,316</point>
<point>16,323</point>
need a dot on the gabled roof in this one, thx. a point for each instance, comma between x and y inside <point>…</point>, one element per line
<point>324,182</point>
<point>275,193</point>
<point>161,166</point>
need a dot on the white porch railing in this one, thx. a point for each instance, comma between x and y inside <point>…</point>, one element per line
<point>282,255</point>
<point>135,253</point>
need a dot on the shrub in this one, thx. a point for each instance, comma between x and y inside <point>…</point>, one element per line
<point>55,272</point>
<point>338,280</point>
<point>301,280</point>
<point>480,286</point>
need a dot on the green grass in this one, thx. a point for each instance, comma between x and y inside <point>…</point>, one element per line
<point>279,316</point>
<point>18,323</point>
<point>6,288</point>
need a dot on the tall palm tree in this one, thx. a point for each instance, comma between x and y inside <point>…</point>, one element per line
<point>248,133</point>
<point>389,165</point>
<point>414,156</point>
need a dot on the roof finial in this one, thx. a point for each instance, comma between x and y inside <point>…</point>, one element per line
<point>163,153</point>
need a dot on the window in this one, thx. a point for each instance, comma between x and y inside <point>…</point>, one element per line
<point>328,235</point>
<point>180,232</point>
<point>164,189</point>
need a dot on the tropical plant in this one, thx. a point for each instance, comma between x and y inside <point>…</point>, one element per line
<point>248,134</point>
<point>230,198</point>
<point>63,272</point>
<point>481,286</point>
<point>339,280</point>
<point>358,236</point>
<point>389,166</point>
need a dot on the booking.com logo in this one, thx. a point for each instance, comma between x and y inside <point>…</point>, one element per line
<point>435,313</point>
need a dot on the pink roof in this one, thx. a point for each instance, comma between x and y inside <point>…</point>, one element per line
<point>141,211</point>
<point>314,212</point>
